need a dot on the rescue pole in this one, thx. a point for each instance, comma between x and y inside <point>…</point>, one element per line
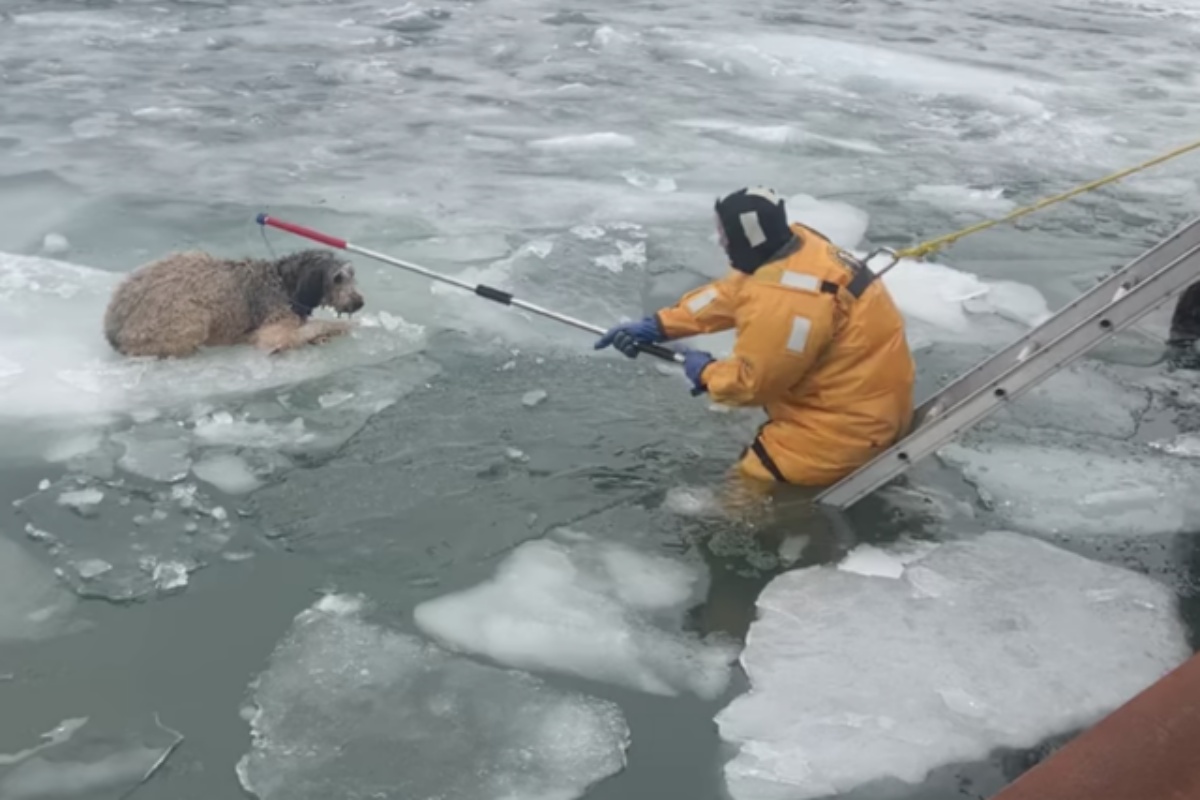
<point>486,292</point>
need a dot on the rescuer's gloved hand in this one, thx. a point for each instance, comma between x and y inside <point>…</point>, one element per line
<point>626,336</point>
<point>694,362</point>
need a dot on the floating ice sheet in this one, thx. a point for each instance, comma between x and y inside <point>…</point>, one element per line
<point>77,761</point>
<point>32,603</point>
<point>844,224</point>
<point>1093,487</point>
<point>132,541</point>
<point>780,135</point>
<point>991,642</point>
<point>586,142</point>
<point>1085,398</point>
<point>229,473</point>
<point>833,62</point>
<point>959,199</point>
<point>941,303</point>
<point>56,365</point>
<point>348,708</point>
<point>588,608</point>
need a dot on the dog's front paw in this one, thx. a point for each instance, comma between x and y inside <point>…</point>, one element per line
<point>323,330</point>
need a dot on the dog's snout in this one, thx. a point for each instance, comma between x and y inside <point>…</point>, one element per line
<point>356,302</point>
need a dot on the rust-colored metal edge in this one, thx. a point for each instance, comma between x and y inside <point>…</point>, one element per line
<point>1148,749</point>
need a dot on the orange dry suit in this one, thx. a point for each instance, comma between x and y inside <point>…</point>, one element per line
<point>820,346</point>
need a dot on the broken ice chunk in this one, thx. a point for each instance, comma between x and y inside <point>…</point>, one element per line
<point>228,473</point>
<point>586,608</point>
<point>113,554</point>
<point>588,232</point>
<point>157,459</point>
<point>533,398</point>
<point>73,447</point>
<point>170,576</point>
<point>334,399</point>
<point>90,568</point>
<point>692,501</point>
<point>403,718</point>
<point>83,501</point>
<point>872,561</point>
<point>540,248</point>
<point>59,734</point>
<point>33,605</point>
<point>55,244</point>
<point>998,641</point>
<point>1184,445</point>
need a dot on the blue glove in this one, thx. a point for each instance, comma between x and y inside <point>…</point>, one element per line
<point>694,362</point>
<point>628,335</point>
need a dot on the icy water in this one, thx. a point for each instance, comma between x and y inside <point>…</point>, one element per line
<point>459,554</point>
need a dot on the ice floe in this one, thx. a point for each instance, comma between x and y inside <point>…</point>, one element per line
<point>1094,486</point>
<point>934,658</point>
<point>347,707</point>
<point>75,760</point>
<point>594,609</point>
<point>113,540</point>
<point>32,603</point>
<point>56,366</point>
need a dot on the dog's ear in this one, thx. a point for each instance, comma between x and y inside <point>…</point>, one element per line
<point>309,292</point>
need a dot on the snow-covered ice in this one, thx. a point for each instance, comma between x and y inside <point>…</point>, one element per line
<point>347,707</point>
<point>594,609</point>
<point>874,678</point>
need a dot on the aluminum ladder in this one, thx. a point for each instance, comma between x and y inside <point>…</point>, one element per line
<point>1152,279</point>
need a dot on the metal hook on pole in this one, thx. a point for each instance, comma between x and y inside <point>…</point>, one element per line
<point>486,292</point>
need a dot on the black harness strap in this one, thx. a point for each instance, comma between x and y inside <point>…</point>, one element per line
<point>760,450</point>
<point>864,276</point>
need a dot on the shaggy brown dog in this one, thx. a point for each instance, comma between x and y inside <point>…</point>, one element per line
<point>185,301</point>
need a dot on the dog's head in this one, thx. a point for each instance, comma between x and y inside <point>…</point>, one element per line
<point>314,278</point>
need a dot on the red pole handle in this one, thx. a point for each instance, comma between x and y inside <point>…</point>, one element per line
<point>300,230</point>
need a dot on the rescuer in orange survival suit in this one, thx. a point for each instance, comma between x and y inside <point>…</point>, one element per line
<point>820,345</point>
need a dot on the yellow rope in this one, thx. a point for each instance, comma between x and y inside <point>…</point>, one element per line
<point>933,245</point>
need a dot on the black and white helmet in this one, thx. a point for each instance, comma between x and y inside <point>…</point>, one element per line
<point>753,226</point>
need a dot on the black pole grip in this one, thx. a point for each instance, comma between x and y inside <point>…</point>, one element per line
<point>494,294</point>
<point>658,351</point>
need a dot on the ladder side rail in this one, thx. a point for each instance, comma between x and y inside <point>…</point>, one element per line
<point>1099,296</point>
<point>1148,295</point>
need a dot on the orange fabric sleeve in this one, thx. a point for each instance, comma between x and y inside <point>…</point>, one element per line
<point>708,309</point>
<point>784,333</point>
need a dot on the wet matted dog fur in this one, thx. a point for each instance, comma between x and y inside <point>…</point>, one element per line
<point>184,301</point>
